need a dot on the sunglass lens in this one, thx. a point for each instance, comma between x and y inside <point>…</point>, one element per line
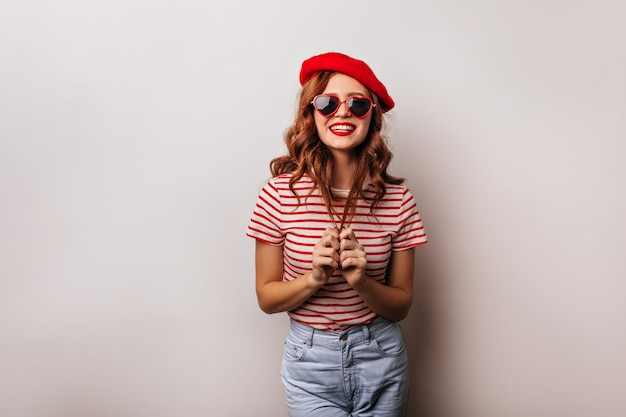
<point>326,104</point>
<point>359,106</point>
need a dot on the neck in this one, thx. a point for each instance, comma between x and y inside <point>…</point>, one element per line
<point>343,172</point>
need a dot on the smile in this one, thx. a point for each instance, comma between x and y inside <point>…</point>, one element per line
<point>342,129</point>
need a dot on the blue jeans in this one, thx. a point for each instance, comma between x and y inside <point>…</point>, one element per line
<point>358,372</point>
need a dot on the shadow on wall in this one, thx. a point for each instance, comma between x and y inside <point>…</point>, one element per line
<point>422,330</point>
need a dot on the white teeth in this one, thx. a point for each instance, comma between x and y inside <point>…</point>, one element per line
<point>342,128</point>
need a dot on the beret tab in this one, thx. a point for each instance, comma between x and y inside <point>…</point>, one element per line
<point>355,68</point>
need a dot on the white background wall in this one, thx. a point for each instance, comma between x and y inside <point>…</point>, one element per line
<point>134,137</point>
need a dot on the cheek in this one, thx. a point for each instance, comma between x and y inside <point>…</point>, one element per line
<point>365,126</point>
<point>320,122</point>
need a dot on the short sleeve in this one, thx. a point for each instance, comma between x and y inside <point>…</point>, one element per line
<point>411,230</point>
<point>265,223</point>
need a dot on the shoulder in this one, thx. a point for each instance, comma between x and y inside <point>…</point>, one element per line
<point>287,177</point>
<point>396,192</point>
<point>397,198</point>
<point>285,185</point>
<point>397,188</point>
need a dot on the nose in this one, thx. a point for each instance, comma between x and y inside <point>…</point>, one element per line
<point>343,111</point>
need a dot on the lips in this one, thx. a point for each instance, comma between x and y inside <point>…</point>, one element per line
<point>342,129</point>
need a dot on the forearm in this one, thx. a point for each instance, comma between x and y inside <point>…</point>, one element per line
<point>387,301</point>
<point>279,296</point>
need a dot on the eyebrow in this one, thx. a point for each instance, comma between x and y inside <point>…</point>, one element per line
<point>353,93</point>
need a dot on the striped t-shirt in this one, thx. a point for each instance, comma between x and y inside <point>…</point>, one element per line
<point>279,219</point>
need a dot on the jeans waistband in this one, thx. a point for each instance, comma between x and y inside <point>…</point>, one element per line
<point>355,334</point>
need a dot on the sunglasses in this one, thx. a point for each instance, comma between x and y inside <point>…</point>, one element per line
<point>358,106</point>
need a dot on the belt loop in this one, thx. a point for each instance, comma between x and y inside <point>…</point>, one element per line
<point>302,332</point>
<point>367,333</point>
<point>310,337</point>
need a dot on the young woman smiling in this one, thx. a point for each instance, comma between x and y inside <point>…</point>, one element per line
<point>335,240</point>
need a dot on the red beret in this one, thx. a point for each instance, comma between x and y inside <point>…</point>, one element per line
<point>357,69</point>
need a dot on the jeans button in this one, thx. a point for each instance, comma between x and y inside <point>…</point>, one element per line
<point>344,337</point>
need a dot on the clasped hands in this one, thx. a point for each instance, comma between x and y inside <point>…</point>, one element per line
<point>339,250</point>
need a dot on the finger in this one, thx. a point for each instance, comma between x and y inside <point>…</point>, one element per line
<point>326,268</point>
<point>323,272</point>
<point>326,252</point>
<point>322,263</point>
<point>356,253</point>
<point>348,234</point>
<point>330,238</point>
<point>328,242</point>
<point>348,261</point>
<point>350,245</point>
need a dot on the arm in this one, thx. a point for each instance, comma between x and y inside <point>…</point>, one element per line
<point>275,295</point>
<point>394,299</point>
<point>391,300</point>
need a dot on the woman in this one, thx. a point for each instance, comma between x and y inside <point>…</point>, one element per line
<point>335,239</point>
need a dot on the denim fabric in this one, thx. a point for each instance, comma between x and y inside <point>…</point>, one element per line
<point>358,372</point>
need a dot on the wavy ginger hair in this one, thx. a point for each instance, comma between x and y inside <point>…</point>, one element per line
<point>307,155</point>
